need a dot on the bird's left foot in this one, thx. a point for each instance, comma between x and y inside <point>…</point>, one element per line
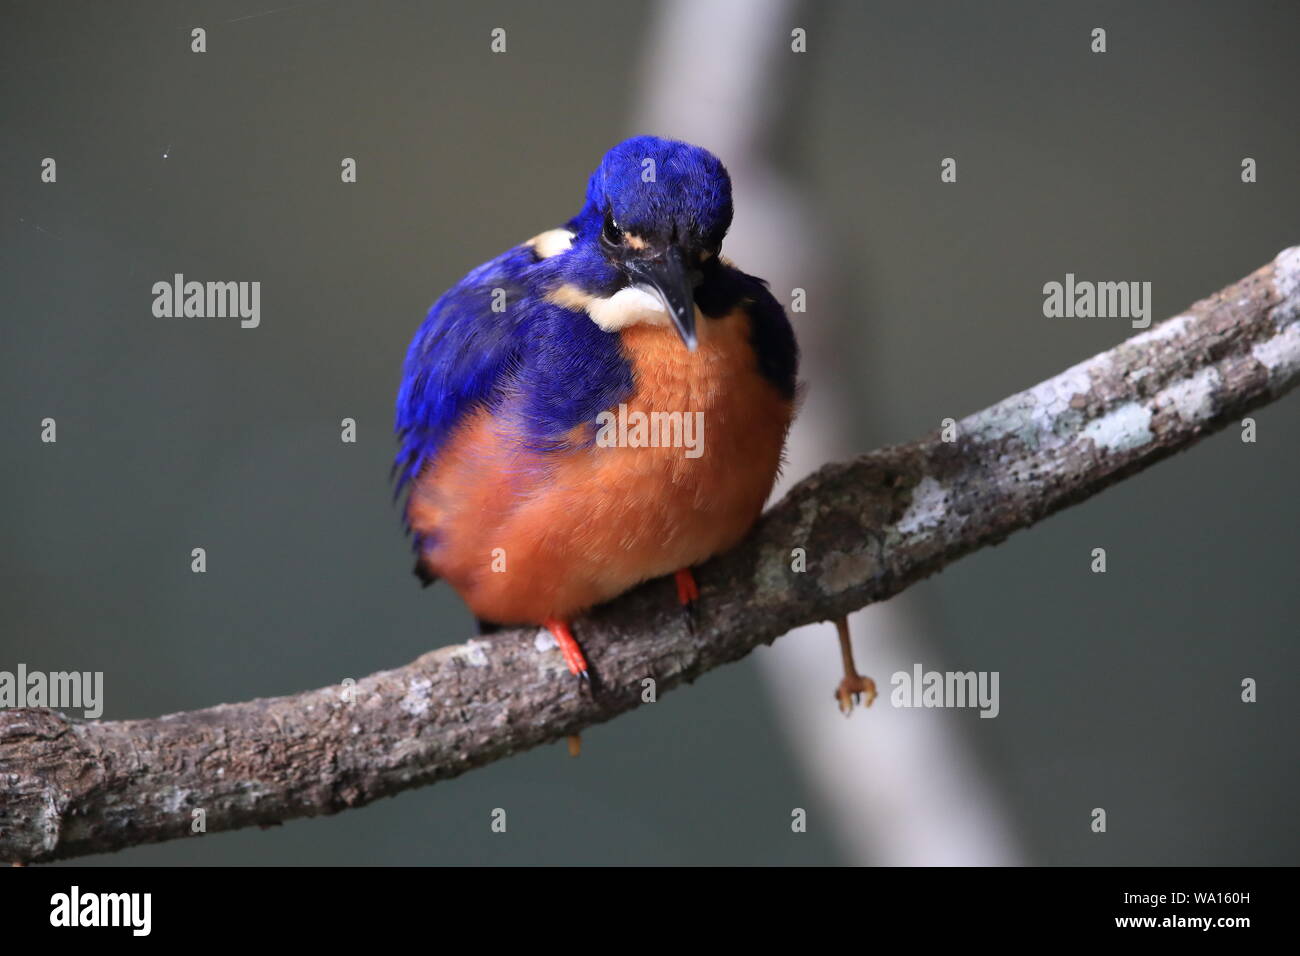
<point>854,688</point>
<point>688,592</point>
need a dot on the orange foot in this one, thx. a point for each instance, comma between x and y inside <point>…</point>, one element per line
<point>568,646</point>
<point>688,592</point>
<point>854,688</point>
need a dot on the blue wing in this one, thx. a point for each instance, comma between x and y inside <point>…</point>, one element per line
<point>460,358</point>
<point>556,362</point>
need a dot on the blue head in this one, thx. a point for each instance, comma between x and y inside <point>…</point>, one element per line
<point>656,213</point>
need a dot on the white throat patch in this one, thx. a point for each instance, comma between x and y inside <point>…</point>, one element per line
<point>627,307</point>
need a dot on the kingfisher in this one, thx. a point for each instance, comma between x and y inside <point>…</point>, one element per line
<point>520,493</point>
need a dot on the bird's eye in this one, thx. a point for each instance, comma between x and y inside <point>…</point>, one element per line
<point>611,235</point>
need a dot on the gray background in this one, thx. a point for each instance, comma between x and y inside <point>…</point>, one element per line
<point>1118,690</point>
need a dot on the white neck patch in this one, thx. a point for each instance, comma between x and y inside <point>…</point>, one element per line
<point>551,243</point>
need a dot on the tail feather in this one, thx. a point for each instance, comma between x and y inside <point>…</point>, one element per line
<point>421,571</point>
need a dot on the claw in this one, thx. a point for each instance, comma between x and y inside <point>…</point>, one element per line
<point>854,688</point>
<point>568,647</point>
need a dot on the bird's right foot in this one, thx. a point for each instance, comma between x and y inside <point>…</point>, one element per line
<point>568,647</point>
<point>688,595</point>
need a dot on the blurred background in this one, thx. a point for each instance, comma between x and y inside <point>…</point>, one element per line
<point>1118,690</point>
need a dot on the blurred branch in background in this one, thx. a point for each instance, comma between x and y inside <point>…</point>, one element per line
<point>915,793</point>
<point>870,527</point>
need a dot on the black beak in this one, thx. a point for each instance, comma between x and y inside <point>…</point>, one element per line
<point>669,277</point>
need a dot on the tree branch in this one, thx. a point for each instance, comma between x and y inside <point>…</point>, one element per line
<point>870,527</point>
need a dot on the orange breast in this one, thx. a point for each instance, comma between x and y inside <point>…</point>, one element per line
<point>524,535</point>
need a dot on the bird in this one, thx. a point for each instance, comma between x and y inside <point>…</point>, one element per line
<point>536,482</point>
